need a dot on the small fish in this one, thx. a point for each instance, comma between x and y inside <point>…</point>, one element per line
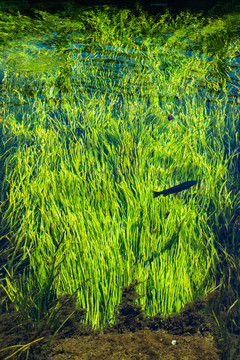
<point>175,189</point>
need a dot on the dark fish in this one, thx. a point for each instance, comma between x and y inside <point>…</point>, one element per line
<point>175,189</point>
<point>170,117</point>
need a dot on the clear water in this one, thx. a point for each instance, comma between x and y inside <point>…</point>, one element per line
<point>103,69</point>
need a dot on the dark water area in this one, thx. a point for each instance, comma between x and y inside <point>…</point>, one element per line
<point>154,7</point>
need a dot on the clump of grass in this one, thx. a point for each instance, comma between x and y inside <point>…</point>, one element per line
<point>85,141</point>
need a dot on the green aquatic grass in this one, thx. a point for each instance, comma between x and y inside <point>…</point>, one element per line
<point>80,165</point>
<point>101,202</point>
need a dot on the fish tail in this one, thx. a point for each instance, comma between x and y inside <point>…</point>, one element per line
<point>157,193</point>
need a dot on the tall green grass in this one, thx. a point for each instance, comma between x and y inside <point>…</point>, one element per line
<point>83,147</point>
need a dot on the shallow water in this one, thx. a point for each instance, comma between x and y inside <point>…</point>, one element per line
<point>106,66</point>
<point>38,69</point>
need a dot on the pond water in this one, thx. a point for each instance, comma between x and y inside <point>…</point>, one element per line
<point>87,124</point>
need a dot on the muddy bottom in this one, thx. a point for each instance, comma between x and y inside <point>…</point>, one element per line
<point>189,335</point>
<point>144,344</point>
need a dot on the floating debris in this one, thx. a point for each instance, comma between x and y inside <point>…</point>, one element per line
<point>170,117</point>
<point>166,215</point>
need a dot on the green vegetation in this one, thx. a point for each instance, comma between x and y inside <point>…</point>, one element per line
<point>85,139</point>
